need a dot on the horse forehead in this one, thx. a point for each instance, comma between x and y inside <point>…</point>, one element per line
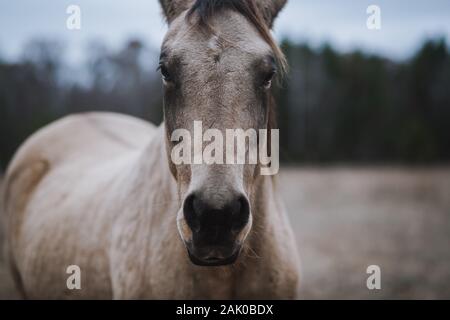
<point>230,31</point>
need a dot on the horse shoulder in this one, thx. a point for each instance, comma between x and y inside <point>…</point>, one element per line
<point>76,140</point>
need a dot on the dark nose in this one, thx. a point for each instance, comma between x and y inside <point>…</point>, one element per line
<point>215,224</point>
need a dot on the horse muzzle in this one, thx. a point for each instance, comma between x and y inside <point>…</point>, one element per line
<point>218,232</point>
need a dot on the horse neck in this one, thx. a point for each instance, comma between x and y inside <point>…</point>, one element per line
<point>264,203</point>
<point>153,188</point>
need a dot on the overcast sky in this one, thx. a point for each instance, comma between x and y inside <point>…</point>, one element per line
<point>405,24</point>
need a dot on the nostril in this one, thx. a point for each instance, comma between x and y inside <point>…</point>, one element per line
<point>213,221</point>
<point>236,207</point>
<point>241,214</point>
<point>191,212</point>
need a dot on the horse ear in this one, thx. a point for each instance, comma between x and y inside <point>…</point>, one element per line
<point>270,9</point>
<point>173,8</point>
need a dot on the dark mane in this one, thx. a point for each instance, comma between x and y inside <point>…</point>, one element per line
<point>204,10</point>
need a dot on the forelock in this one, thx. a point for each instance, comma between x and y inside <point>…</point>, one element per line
<point>202,11</point>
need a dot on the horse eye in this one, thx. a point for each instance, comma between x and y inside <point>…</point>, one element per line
<point>165,73</point>
<point>268,80</point>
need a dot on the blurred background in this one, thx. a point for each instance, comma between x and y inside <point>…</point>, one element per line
<point>364,118</point>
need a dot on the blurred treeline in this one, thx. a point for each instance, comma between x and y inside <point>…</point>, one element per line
<point>361,108</point>
<point>42,87</point>
<point>332,107</point>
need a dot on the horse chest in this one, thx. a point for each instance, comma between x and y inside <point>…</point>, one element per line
<point>217,286</point>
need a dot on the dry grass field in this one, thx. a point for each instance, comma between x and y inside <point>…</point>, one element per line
<point>347,219</point>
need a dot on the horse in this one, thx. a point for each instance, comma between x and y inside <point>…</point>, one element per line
<point>99,190</point>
